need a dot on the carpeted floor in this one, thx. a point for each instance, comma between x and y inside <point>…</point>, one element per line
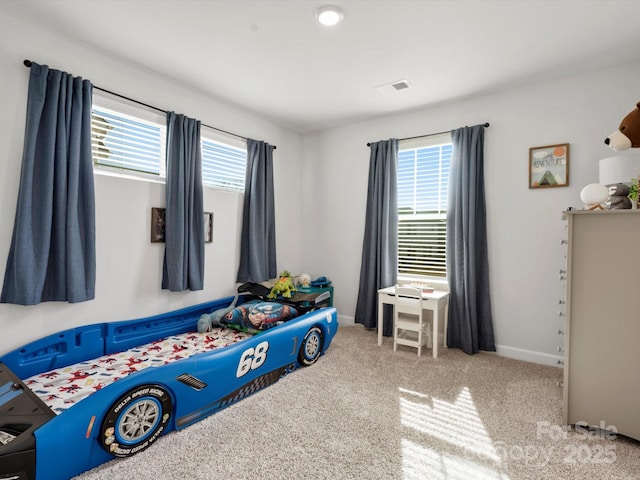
<point>366,412</point>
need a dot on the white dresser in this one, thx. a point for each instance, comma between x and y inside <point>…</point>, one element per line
<point>602,330</point>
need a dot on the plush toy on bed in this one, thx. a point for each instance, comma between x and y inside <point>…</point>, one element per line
<point>207,321</point>
<point>628,134</point>
<point>283,287</point>
<point>256,315</point>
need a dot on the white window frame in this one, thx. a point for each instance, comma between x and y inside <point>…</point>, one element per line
<point>413,144</point>
<point>137,112</point>
<point>229,141</point>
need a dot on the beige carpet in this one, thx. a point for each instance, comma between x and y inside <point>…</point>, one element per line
<point>365,412</point>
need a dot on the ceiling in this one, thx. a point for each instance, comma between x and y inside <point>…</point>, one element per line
<point>272,58</point>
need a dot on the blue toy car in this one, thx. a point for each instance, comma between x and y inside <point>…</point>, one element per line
<point>78,398</point>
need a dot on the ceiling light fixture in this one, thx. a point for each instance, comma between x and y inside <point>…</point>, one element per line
<point>329,15</point>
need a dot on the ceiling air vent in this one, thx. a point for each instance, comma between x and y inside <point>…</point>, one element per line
<point>392,87</point>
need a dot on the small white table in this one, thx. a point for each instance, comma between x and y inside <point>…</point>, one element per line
<point>436,301</point>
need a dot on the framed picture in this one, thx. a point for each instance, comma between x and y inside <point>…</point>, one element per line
<point>549,166</point>
<point>157,225</point>
<point>208,227</point>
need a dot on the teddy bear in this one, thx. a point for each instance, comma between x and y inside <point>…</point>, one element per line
<point>628,134</point>
<point>618,197</point>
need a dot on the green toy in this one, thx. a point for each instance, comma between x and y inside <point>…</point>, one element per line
<point>283,287</point>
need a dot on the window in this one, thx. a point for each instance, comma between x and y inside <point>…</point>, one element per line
<point>423,175</point>
<point>127,143</point>
<point>131,138</point>
<point>223,165</point>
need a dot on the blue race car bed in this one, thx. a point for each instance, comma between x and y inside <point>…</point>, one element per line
<point>78,398</point>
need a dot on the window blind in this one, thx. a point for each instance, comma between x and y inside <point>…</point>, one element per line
<point>125,142</point>
<point>423,176</point>
<point>223,166</point>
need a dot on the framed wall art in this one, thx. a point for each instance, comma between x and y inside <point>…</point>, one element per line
<point>549,166</point>
<point>208,227</point>
<point>157,225</point>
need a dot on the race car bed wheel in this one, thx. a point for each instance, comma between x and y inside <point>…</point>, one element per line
<point>311,346</point>
<point>136,420</point>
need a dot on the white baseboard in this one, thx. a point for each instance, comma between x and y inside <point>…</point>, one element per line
<point>346,321</point>
<point>502,350</point>
<point>529,355</point>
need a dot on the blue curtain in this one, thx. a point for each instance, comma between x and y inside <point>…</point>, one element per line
<point>258,239</point>
<point>470,322</point>
<point>52,253</point>
<point>379,267</point>
<point>183,266</point>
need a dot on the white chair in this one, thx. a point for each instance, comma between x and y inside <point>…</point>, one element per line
<point>410,328</point>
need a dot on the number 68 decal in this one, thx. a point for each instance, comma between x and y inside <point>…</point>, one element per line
<point>252,358</point>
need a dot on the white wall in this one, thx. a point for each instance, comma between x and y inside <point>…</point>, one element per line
<point>524,226</point>
<point>129,267</point>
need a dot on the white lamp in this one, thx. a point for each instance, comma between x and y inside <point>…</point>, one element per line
<point>619,169</point>
<point>329,15</point>
<point>593,195</point>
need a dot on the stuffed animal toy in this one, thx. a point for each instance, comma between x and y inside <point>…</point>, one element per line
<point>628,134</point>
<point>283,287</point>
<point>207,321</point>
<point>618,197</point>
<point>304,280</point>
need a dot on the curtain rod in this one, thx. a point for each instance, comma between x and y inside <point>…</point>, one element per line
<point>429,134</point>
<point>27,63</point>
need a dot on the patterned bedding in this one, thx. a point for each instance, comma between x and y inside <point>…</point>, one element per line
<point>63,387</point>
